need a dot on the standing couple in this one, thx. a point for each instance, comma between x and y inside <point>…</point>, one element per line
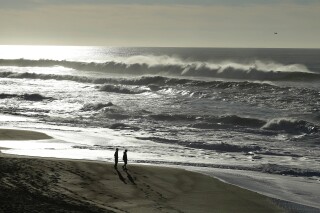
<point>125,159</point>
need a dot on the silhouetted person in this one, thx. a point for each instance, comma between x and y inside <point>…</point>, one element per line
<point>116,158</point>
<point>125,160</point>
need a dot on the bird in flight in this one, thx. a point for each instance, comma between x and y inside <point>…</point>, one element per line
<point>275,33</point>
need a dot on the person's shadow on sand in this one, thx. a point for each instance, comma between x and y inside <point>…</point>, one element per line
<point>131,179</point>
<point>120,176</point>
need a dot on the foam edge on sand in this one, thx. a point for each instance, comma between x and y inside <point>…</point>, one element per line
<point>56,185</point>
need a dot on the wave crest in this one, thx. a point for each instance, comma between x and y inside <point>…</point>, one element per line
<point>121,89</point>
<point>291,126</point>
<point>171,66</point>
<point>95,107</point>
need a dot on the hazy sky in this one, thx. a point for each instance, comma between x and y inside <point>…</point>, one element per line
<point>192,23</point>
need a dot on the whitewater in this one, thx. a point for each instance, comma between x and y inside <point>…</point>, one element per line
<point>237,114</point>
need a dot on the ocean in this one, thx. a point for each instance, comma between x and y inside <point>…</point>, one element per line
<point>245,109</point>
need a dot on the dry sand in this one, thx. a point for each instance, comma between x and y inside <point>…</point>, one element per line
<point>55,185</point>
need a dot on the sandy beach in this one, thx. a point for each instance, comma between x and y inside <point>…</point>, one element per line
<point>12,134</point>
<point>55,185</point>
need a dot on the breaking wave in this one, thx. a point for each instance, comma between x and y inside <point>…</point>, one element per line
<point>291,126</point>
<point>154,83</point>
<point>95,107</point>
<point>288,125</point>
<point>171,66</point>
<point>121,89</point>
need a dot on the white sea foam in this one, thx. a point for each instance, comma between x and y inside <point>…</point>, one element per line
<point>206,108</point>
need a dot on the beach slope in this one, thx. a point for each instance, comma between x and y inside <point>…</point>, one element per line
<point>55,185</point>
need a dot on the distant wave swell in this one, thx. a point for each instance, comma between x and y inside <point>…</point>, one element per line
<point>153,82</point>
<point>219,147</point>
<point>212,121</point>
<point>170,66</point>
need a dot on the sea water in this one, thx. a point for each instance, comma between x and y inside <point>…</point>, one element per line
<point>248,109</point>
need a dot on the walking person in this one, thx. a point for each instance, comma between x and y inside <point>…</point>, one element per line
<point>116,158</point>
<point>125,160</point>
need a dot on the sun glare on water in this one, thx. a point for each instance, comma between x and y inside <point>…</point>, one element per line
<point>73,53</point>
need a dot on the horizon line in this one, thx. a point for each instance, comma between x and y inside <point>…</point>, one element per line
<point>129,46</point>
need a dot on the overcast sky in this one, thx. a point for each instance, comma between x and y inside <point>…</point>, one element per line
<point>178,23</point>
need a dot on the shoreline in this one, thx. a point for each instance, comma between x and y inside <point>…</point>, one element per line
<point>41,184</point>
<point>280,204</point>
<point>104,172</point>
<point>98,187</point>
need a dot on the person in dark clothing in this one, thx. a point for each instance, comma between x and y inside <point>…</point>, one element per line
<point>116,158</point>
<point>125,160</point>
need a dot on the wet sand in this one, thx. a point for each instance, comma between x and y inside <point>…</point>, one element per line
<point>55,185</point>
<point>13,134</point>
